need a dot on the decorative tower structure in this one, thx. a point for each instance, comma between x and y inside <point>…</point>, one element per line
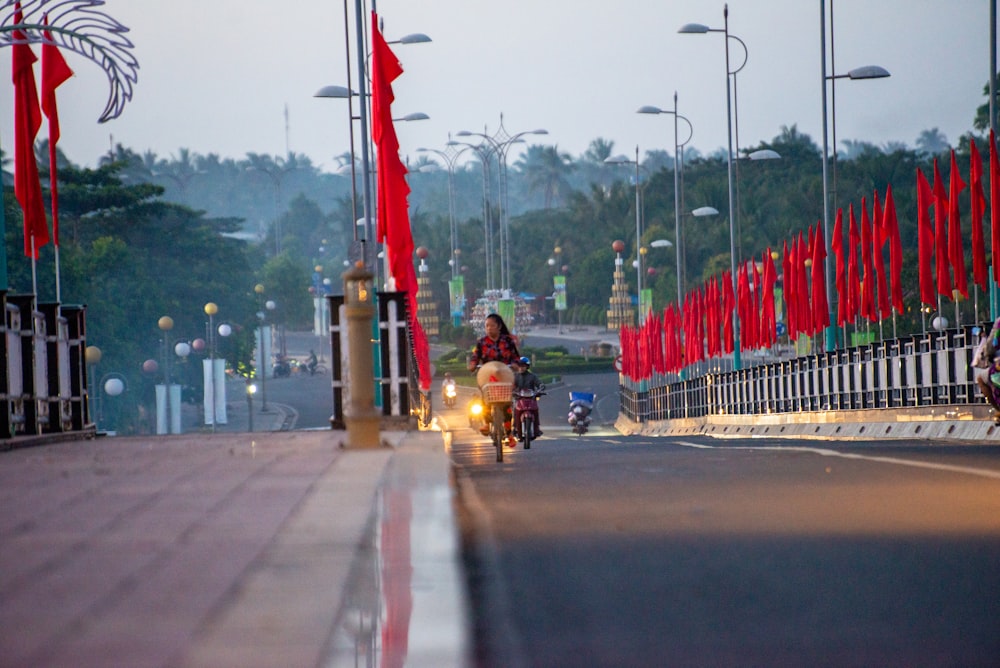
<point>620,311</point>
<point>427,314</point>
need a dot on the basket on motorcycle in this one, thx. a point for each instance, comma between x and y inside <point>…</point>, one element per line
<point>585,397</point>
<point>497,393</point>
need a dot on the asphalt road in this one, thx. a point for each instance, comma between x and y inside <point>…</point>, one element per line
<point>628,551</point>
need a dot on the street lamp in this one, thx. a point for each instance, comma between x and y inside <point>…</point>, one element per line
<point>501,141</point>
<point>866,72</point>
<point>450,156</point>
<point>624,160</point>
<point>697,28</point>
<point>345,92</point>
<point>484,152</point>
<point>649,109</point>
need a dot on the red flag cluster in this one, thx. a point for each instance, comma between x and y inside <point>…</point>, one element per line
<point>27,121</point>
<point>942,246</point>
<point>393,215</point>
<point>704,326</point>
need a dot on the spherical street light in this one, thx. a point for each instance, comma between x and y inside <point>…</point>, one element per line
<point>182,349</point>
<point>225,329</point>
<point>166,323</point>
<point>114,387</point>
<point>92,355</point>
<point>211,308</point>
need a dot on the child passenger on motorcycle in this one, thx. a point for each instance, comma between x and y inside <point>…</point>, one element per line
<point>526,380</point>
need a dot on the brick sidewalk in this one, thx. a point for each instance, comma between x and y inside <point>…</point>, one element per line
<point>195,550</point>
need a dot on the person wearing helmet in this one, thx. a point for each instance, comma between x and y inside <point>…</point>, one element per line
<point>526,380</point>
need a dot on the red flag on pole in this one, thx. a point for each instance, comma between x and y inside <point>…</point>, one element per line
<point>956,249</point>
<point>925,239</point>
<point>868,283</point>
<point>840,280</point>
<point>27,120</point>
<point>728,303</point>
<point>976,211</point>
<point>891,227</point>
<point>879,236</point>
<point>853,276</point>
<point>995,206</point>
<point>802,288</point>
<point>789,284</point>
<point>821,307</point>
<point>55,72</point>
<point>392,213</point>
<point>941,249</point>
<point>768,317</point>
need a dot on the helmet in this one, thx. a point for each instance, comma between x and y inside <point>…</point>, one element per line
<point>524,361</point>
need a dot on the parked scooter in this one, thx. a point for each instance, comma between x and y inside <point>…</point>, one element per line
<point>581,404</point>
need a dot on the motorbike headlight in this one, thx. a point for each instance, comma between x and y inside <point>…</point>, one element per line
<point>476,409</point>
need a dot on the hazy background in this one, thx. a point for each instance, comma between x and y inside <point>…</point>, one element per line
<point>216,75</point>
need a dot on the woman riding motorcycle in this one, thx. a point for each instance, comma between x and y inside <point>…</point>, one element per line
<point>526,380</point>
<point>497,346</point>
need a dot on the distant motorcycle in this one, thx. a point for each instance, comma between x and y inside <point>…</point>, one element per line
<point>450,393</point>
<point>581,404</point>
<point>282,368</point>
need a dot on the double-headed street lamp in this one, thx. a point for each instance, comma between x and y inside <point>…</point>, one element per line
<point>649,109</point>
<point>697,28</point>
<point>867,72</point>
<point>345,92</point>
<point>500,142</point>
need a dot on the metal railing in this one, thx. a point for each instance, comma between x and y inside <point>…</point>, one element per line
<point>932,369</point>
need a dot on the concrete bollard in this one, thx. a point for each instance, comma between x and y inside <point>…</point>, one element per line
<point>361,417</point>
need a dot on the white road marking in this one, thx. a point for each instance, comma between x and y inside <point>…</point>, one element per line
<point>824,452</point>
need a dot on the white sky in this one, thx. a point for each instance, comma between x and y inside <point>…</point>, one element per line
<point>216,74</point>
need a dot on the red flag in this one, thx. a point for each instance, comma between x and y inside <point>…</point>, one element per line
<point>840,280</point>
<point>925,239</point>
<point>976,211</point>
<point>728,304</point>
<point>891,229</point>
<point>755,315</point>
<point>995,206</point>
<point>55,71</point>
<point>956,249</point>
<point>27,120</point>
<point>802,288</point>
<point>789,284</point>
<point>392,209</point>
<point>879,237</point>
<point>868,284</point>
<point>768,322</point>
<point>821,307</point>
<point>743,302</point>
<point>853,277</point>
<point>940,235</point>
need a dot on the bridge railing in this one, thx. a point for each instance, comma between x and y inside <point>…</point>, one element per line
<point>932,369</point>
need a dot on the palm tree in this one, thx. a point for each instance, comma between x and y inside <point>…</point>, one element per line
<point>545,169</point>
<point>932,142</point>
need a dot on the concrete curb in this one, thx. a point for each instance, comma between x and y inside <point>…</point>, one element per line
<point>939,423</point>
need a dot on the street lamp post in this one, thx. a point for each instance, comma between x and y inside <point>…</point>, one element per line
<point>484,152</point>
<point>623,160</point>
<point>501,141</point>
<point>450,156</point>
<point>697,28</point>
<point>361,42</point>
<point>649,109</point>
<point>867,72</point>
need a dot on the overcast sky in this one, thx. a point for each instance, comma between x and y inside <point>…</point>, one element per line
<point>216,75</point>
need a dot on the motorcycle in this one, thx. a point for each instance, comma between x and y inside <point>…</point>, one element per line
<point>581,404</point>
<point>526,413</point>
<point>282,368</point>
<point>450,393</point>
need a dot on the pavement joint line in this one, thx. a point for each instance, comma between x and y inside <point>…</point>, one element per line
<point>826,452</point>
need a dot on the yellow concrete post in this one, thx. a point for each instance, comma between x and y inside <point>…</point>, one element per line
<point>360,416</point>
